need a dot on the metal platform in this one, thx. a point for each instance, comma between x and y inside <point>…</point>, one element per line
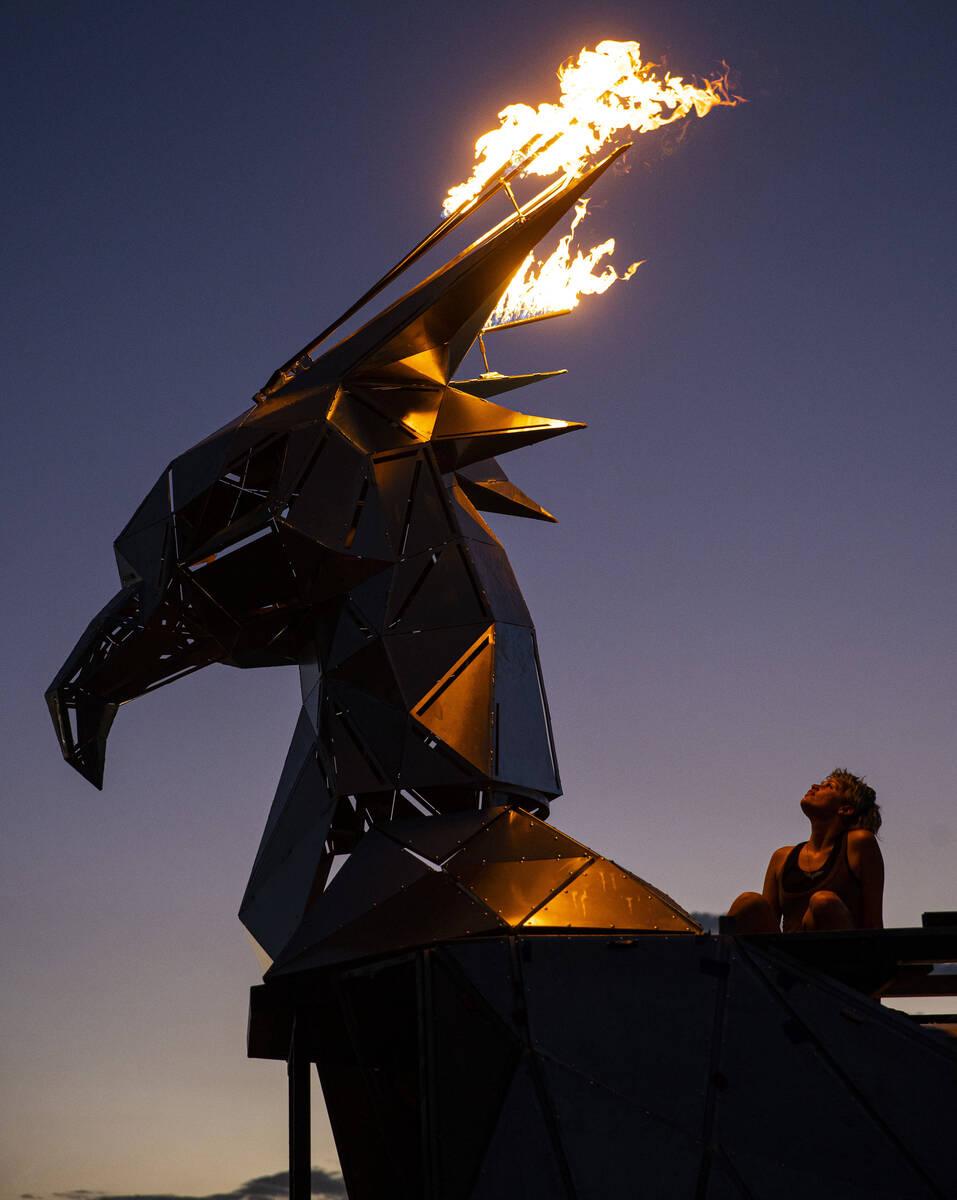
<point>580,1064</point>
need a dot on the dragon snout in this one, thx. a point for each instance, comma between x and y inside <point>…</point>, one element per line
<point>84,696</point>
<point>82,724</point>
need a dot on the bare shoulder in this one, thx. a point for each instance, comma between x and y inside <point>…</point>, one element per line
<point>778,858</point>
<point>860,837</point>
<point>862,844</point>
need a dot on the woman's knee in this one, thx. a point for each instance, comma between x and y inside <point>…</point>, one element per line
<point>826,910</point>
<point>753,914</point>
<point>746,901</point>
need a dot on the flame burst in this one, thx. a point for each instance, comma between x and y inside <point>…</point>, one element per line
<point>558,284</point>
<point>604,92</point>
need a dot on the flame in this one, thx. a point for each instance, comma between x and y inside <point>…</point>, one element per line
<point>558,284</point>
<point>604,92</point>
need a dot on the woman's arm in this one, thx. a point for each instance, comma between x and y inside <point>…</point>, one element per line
<point>772,875</point>
<point>866,861</point>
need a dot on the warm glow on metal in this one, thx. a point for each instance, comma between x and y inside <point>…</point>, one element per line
<point>604,93</point>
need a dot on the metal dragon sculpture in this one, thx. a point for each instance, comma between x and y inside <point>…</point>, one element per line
<point>493,1008</point>
<point>337,525</point>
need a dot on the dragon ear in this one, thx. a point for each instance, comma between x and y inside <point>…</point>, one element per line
<point>437,322</point>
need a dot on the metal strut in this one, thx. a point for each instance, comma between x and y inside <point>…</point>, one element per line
<point>501,179</point>
<point>300,1150</point>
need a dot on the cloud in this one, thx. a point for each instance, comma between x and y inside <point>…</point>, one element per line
<point>326,1185</point>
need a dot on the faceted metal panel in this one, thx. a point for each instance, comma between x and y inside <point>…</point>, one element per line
<point>490,969</point>
<point>195,470</point>
<point>458,708</point>
<point>302,444</point>
<point>649,1065</point>
<point>426,758</point>
<point>358,771</point>
<point>395,474</point>
<point>368,671</point>
<point>367,536</point>
<point>471,1047</point>
<point>436,590</point>
<point>498,583</point>
<point>429,909</point>
<point>427,522</point>
<point>146,555</point>
<point>488,871</point>
<point>154,508</point>
<point>276,899</point>
<point>606,897</point>
<point>522,1157</point>
<point>637,1039</point>
<point>439,839</point>
<point>513,889</point>
<point>320,574</point>
<point>352,630</point>
<point>369,877</point>
<point>885,1060</point>
<point>613,1148</point>
<point>374,1085</point>
<point>377,733</point>
<point>299,798</point>
<point>417,654</point>
<point>328,499</point>
<point>759,1030</point>
<point>515,836</point>
<point>524,750</point>
<point>290,852</point>
<point>358,415</point>
<point>468,518</point>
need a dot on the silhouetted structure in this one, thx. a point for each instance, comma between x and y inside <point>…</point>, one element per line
<point>495,1009</point>
<point>337,524</point>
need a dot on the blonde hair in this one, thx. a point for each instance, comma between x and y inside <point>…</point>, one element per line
<point>867,812</point>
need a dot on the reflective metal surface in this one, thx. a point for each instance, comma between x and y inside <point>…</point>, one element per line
<point>337,525</point>
<point>412,883</point>
<point>585,1065</point>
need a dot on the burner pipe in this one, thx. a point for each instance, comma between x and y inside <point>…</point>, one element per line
<point>502,180</point>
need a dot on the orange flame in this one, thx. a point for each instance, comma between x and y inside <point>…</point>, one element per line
<point>559,283</point>
<point>604,92</point>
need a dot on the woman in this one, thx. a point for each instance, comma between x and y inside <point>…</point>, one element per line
<point>834,880</point>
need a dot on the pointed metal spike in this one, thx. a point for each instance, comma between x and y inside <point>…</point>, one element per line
<point>494,384</point>
<point>462,414</point>
<point>451,306</point>
<point>500,496</point>
<point>454,453</point>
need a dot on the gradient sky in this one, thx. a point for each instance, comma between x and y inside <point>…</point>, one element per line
<point>753,579</point>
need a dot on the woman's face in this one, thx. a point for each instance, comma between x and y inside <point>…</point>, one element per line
<point>824,799</point>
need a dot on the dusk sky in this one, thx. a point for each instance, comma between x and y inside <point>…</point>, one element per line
<point>753,577</point>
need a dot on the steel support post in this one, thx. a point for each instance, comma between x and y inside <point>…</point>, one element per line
<point>300,1151</point>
